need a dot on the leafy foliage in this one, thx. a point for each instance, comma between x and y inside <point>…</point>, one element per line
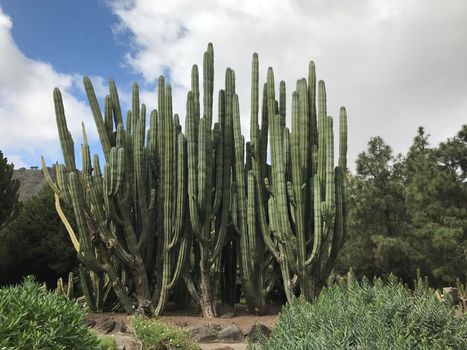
<point>155,335</point>
<point>368,315</point>
<point>36,243</point>
<point>10,205</point>
<point>33,318</point>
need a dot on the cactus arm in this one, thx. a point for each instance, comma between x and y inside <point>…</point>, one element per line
<point>322,116</point>
<point>259,153</point>
<point>48,179</point>
<point>298,174</point>
<point>66,141</point>
<point>343,139</point>
<point>317,220</point>
<point>181,191</point>
<point>141,182</point>
<point>192,165</point>
<point>66,223</point>
<point>219,167</point>
<point>96,112</point>
<point>117,113</point>
<point>208,83</point>
<point>312,104</point>
<point>282,100</point>
<point>108,118</point>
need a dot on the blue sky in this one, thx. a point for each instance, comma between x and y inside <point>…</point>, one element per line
<point>395,65</point>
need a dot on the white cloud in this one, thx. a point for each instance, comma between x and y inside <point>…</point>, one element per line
<point>395,65</point>
<point>27,115</point>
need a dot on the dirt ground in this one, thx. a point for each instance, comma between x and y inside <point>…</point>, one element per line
<point>186,319</point>
<point>241,318</point>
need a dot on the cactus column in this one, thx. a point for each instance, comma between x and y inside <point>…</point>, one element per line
<point>307,205</point>
<point>209,154</point>
<point>113,209</point>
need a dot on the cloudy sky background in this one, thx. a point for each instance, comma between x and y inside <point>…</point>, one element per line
<point>395,65</point>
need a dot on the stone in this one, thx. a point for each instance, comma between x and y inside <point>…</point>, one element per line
<point>125,342</point>
<point>204,334</point>
<point>255,330</point>
<point>224,310</point>
<point>224,348</point>
<point>215,326</point>
<point>90,323</point>
<point>120,327</point>
<point>231,333</point>
<point>107,325</point>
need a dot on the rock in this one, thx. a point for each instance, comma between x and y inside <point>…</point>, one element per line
<point>224,310</point>
<point>216,327</point>
<point>90,323</point>
<point>231,333</point>
<point>125,342</point>
<point>255,330</point>
<point>224,348</point>
<point>120,327</point>
<point>204,334</point>
<point>107,325</point>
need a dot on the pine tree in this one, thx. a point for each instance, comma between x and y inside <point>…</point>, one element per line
<point>10,205</point>
<point>36,243</point>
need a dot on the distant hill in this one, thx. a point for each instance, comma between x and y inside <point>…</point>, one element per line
<point>32,181</point>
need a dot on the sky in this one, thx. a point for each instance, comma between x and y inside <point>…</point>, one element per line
<point>394,64</point>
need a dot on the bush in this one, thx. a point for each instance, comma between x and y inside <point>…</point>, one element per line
<point>155,335</point>
<point>33,318</point>
<point>106,342</point>
<point>369,316</point>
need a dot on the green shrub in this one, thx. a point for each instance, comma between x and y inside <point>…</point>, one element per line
<point>369,316</point>
<point>155,335</point>
<point>106,342</point>
<point>33,318</point>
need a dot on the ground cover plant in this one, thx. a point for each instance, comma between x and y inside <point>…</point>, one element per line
<point>377,315</point>
<point>33,318</point>
<point>155,335</point>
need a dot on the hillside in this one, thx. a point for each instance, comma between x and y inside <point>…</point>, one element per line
<point>32,181</point>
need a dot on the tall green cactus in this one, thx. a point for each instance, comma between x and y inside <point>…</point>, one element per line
<point>209,169</point>
<point>307,205</point>
<point>165,208</point>
<point>250,214</point>
<point>113,208</point>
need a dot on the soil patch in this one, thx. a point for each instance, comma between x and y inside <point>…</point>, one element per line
<point>189,319</point>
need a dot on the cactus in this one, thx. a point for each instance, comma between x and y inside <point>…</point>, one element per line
<point>113,208</point>
<point>254,260</point>
<point>209,169</point>
<point>166,209</point>
<point>307,194</point>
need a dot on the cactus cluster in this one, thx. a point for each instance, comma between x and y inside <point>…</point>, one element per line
<point>170,211</point>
